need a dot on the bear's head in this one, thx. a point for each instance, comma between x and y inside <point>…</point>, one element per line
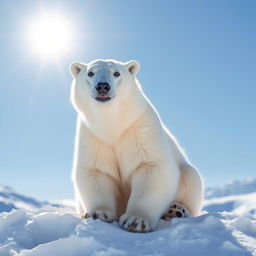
<point>103,80</point>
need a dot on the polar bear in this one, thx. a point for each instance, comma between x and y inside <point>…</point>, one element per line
<point>127,165</point>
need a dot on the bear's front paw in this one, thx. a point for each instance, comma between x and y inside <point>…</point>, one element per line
<point>103,215</point>
<point>134,223</point>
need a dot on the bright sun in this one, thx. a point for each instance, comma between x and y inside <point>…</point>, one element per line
<point>50,36</point>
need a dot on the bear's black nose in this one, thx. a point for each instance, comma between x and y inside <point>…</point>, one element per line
<point>102,87</point>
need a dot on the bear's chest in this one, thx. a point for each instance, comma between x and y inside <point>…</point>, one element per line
<point>131,151</point>
<point>106,130</point>
<point>110,124</point>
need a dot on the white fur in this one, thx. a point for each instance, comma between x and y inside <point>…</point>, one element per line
<point>127,165</point>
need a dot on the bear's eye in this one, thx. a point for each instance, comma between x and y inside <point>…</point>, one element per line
<point>116,74</point>
<point>90,74</point>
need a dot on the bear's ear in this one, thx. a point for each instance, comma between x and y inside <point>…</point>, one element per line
<point>133,67</point>
<point>75,68</point>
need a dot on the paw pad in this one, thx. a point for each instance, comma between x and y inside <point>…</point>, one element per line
<point>176,210</point>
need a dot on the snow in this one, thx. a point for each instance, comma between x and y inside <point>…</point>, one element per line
<point>235,187</point>
<point>237,196</point>
<point>10,199</point>
<point>29,227</point>
<point>57,231</point>
<point>238,204</point>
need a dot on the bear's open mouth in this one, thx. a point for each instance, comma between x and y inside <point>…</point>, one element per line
<point>103,97</point>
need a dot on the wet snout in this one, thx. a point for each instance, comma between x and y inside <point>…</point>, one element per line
<point>102,89</point>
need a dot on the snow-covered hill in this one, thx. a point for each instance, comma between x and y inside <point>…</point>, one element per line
<point>37,229</point>
<point>239,204</point>
<point>10,199</point>
<point>236,187</point>
<point>237,196</point>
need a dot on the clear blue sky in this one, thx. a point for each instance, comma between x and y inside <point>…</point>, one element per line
<point>198,67</point>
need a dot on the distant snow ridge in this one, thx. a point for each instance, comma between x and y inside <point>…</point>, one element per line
<point>10,199</point>
<point>236,187</point>
<point>238,204</point>
<point>237,197</point>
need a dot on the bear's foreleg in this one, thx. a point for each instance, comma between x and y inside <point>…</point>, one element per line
<point>152,188</point>
<point>97,192</point>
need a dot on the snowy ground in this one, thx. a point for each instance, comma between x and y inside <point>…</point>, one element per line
<point>54,231</point>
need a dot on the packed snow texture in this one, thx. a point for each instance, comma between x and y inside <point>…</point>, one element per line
<point>32,228</point>
<point>58,232</point>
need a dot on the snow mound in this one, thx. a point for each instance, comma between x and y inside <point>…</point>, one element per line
<point>236,187</point>
<point>59,232</point>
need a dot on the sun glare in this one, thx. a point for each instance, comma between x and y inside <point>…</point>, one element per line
<point>50,36</point>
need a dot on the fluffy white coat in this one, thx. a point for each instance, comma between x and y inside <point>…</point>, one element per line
<point>127,165</point>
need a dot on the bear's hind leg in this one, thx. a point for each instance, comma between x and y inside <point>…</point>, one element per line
<point>190,191</point>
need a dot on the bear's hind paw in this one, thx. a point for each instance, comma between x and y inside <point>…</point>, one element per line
<point>176,210</point>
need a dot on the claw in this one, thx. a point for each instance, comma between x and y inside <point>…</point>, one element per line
<point>85,216</point>
<point>143,226</point>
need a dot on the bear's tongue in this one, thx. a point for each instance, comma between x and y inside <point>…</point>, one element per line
<point>103,96</point>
